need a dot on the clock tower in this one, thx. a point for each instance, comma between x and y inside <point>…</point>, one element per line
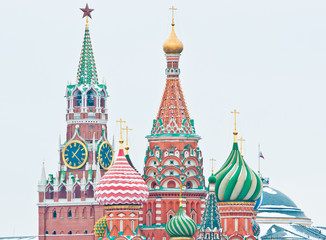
<point>67,208</point>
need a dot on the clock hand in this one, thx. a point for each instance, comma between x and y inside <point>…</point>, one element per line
<point>106,155</point>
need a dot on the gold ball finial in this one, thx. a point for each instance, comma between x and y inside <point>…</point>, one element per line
<point>127,147</point>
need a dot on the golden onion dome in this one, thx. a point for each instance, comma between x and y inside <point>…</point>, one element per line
<point>173,45</point>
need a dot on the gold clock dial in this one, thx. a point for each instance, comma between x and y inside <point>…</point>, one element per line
<point>75,154</point>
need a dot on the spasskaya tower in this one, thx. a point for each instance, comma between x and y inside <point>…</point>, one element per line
<point>67,208</point>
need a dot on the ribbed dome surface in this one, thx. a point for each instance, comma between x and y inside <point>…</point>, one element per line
<point>181,225</point>
<point>235,181</point>
<point>121,184</point>
<point>255,228</point>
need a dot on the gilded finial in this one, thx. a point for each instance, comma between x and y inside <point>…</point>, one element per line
<point>213,160</point>
<point>43,161</point>
<point>121,139</point>
<point>235,132</point>
<point>180,195</point>
<point>241,140</point>
<point>172,10</point>
<point>173,45</point>
<point>127,146</point>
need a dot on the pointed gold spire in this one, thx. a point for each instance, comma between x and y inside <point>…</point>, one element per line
<point>173,45</point>
<point>121,139</point>
<point>181,195</point>
<point>127,146</point>
<point>235,132</point>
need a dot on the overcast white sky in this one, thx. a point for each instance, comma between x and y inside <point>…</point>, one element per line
<point>265,58</point>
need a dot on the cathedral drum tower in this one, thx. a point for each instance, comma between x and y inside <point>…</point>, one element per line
<point>173,158</point>
<point>67,208</point>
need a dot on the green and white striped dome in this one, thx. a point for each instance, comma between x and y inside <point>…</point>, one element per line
<point>181,225</point>
<point>235,181</point>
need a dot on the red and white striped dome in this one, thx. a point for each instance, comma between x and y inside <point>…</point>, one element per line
<point>121,184</point>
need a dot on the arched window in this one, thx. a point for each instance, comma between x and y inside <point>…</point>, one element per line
<point>90,98</point>
<point>91,212</point>
<point>189,185</point>
<point>70,232</point>
<point>46,232</point>
<point>153,185</point>
<point>86,232</point>
<point>54,214</point>
<point>102,99</point>
<point>84,213</point>
<point>149,218</point>
<point>54,232</point>
<point>77,212</point>
<point>77,98</point>
<point>62,192</point>
<point>171,184</point>
<point>69,213</point>
<point>77,192</point>
<point>89,191</point>
<point>49,192</point>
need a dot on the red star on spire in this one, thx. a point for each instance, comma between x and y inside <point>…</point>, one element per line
<point>87,11</point>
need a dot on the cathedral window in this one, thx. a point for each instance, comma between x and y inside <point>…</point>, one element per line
<point>86,232</point>
<point>171,162</point>
<point>70,232</point>
<point>54,232</point>
<point>54,214</point>
<point>90,98</point>
<point>121,225</point>
<point>171,184</point>
<point>77,98</point>
<point>171,172</point>
<point>153,185</point>
<point>189,185</point>
<point>46,232</point>
<point>149,218</point>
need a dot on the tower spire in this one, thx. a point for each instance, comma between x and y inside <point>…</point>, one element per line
<point>87,73</point>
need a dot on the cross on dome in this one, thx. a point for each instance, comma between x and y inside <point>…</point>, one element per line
<point>235,132</point>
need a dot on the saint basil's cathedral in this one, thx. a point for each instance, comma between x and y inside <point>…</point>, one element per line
<point>97,195</point>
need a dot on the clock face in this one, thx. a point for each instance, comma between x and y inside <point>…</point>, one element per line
<point>105,155</point>
<point>75,154</point>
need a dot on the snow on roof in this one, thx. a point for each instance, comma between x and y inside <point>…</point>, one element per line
<point>20,238</point>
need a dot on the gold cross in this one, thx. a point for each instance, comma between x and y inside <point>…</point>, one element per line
<point>127,130</point>
<point>213,160</point>
<point>173,9</point>
<point>235,118</point>
<point>121,139</point>
<point>241,140</point>
<point>235,132</point>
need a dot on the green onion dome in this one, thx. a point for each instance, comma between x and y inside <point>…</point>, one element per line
<point>181,225</point>
<point>235,181</point>
<point>100,227</point>
<point>212,179</point>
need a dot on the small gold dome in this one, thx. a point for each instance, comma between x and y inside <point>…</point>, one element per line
<point>173,45</point>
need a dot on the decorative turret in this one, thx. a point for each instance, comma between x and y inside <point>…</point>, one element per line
<point>122,191</point>
<point>181,226</point>
<point>235,181</point>
<point>173,45</point>
<point>237,188</point>
<point>173,157</point>
<point>210,227</point>
<point>121,184</point>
